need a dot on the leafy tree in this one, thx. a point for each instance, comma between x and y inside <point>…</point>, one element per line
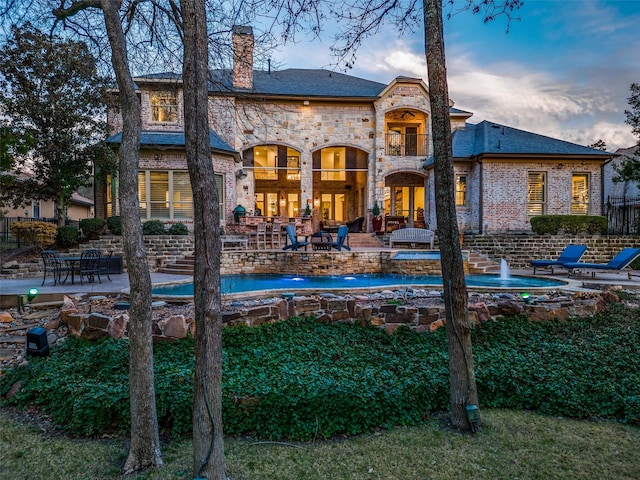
<point>629,170</point>
<point>599,145</point>
<point>51,97</point>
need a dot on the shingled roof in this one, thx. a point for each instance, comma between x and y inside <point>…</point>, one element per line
<point>494,139</point>
<point>150,138</point>
<point>490,138</point>
<point>291,82</point>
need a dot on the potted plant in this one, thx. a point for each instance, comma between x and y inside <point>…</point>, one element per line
<point>377,218</point>
<point>307,211</point>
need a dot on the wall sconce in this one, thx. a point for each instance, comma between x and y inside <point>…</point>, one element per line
<point>305,103</point>
<point>316,202</point>
<point>282,202</point>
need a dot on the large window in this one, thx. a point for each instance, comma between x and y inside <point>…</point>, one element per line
<point>461,190</point>
<point>580,194</point>
<point>164,106</point>
<point>265,161</point>
<point>536,194</point>
<point>333,164</point>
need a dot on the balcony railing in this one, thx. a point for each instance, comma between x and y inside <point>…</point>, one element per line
<point>409,145</point>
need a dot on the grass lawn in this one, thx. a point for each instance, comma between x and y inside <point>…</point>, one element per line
<point>510,445</point>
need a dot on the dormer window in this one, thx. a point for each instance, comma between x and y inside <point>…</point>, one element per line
<point>164,106</point>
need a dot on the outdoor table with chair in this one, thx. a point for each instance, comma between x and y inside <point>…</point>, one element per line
<point>89,264</point>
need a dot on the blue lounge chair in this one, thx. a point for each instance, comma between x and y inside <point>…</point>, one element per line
<point>618,263</point>
<point>343,233</point>
<point>571,253</point>
<point>292,242</point>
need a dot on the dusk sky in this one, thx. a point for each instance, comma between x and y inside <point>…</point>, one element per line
<point>563,70</point>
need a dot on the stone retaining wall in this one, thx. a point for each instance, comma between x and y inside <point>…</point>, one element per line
<point>519,249</point>
<point>418,310</point>
<point>163,250</point>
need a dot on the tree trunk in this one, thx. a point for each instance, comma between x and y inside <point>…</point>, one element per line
<point>144,451</point>
<point>208,443</point>
<point>461,374</point>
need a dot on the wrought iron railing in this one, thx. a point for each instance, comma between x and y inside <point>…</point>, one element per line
<point>623,215</point>
<point>407,145</point>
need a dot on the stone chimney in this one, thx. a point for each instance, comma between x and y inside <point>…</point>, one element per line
<point>242,57</point>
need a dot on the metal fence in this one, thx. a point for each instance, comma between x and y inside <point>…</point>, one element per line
<point>623,215</point>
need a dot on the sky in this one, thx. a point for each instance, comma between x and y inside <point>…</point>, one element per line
<point>563,69</point>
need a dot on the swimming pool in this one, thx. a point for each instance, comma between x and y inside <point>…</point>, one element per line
<point>254,283</point>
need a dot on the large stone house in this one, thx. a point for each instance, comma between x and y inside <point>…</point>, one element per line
<point>285,140</point>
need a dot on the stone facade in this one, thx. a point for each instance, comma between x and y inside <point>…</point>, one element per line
<point>365,127</point>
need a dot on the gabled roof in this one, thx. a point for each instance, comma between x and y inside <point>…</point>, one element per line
<point>150,138</point>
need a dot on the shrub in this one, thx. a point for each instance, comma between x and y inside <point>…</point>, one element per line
<point>178,229</point>
<point>91,227</point>
<point>572,224</point>
<point>114,224</point>
<point>67,236</point>
<point>42,234</point>
<point>153,227</point>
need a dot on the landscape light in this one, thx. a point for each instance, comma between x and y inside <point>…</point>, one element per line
<point>23,300</point>
<point>526,297</point>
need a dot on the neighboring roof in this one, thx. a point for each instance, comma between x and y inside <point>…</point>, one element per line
<point>490,138</point>
<point>172,139</point>
<point>78,199</point>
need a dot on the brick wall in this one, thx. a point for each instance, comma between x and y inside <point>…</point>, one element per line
<point>519,249</point>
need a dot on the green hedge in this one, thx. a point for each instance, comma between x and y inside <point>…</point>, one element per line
<point>303,380</point>
<point>178,229</point>
<point>92,227</point>
<point>114,224</point>
<point>153,227</point>
<point>572,224</point>
<point>67,236</point>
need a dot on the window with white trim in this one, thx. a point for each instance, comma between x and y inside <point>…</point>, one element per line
<point>167,195</point>
<point>579,194</point>
<point>536,194</point>
<point>164,106</point>
<point>461,190</point>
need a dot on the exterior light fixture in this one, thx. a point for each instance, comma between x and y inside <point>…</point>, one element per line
<point>282,202</point>
<point>316,202</point>
<point>23,300</point>
<point>526,297</point>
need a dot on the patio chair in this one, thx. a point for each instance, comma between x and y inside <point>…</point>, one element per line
<point>355,226</point>
<point>260,235</point>
<point>104,264</point>
<point>571,253</point>
<point>90,265</point>
<point>341,238</point>
<point>618,263</point>
<point>292,242</point>
<point>53,266</point>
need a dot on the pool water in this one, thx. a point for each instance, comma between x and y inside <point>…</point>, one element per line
<point>250,283</point>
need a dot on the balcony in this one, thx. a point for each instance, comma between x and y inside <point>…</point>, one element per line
<point>406,145</point>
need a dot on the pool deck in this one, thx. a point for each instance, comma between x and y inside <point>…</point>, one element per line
<point>13,287</point>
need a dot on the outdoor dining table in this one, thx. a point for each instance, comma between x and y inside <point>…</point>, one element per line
<point>71,261</point>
